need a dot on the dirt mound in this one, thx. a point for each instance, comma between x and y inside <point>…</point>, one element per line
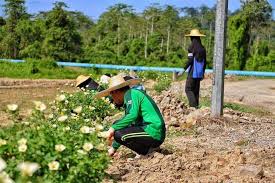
<point>237,147</point>
<point>196,164</point>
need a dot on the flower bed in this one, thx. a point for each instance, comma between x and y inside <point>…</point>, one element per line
<point>61,142</point>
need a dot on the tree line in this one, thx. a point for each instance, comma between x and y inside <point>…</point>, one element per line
<point>123,36</point>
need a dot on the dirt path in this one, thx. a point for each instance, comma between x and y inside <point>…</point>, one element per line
<point>23,91</point>
<point>254,92</point>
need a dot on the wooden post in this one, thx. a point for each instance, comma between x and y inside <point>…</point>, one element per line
<point>219,56</point>
<point>174,76</point>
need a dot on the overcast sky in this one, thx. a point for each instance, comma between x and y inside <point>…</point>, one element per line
<point>93,8</point>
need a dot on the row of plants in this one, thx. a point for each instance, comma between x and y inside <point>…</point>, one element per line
<point>63,141</point>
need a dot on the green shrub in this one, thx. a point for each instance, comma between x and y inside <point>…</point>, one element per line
<point>64,141</point>
<point>163,82</point>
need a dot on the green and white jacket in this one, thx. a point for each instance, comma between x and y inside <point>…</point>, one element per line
<point>141,110</point>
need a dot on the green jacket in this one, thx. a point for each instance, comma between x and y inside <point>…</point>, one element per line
<point>141,110</point>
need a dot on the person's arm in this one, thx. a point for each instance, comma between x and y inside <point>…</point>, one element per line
<point>189,62</point>
<point>132,102</point>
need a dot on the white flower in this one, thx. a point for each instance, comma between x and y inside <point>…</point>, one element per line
<point>50,116</point>
<point>66,102</point>
<point>22,148</point>
<point>107,100</point>
<point>54,126</point>
<point>28,168</point>
<point>26,123</point>
<point>88,146</point>
<point>4,178</point>
<point>112,106</point>
<point>100,147</point>
<point>80,151</point>
<point>2,142</point>
<point>22,141</point>
<point>75,116</point>
<point>103,134</point>
<point>85,129</point>
<point>59,147</point>
<point>60,98</point>
<point>86,93</point>
<point>40,106</point>
<point>99,127</point>
<point>91,108</point>
<point>78,109</point>
<point>87,120</point>
<point>54,165</point>
<point>67,128</point>
<point>62,118</point>
<point>3,165</point>
<point>12,107</point>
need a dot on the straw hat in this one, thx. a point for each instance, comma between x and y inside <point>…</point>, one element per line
<point>80,79</point>
<point>195,33</point>
<point>115,83</point>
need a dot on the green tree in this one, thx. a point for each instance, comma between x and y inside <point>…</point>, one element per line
<point>15,11</point>
<point>62,40</point>
<point>31,33</point>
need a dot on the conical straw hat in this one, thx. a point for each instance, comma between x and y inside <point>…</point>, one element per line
<point>81,79</point>
<point>195,33</point>
<point>115,83</point>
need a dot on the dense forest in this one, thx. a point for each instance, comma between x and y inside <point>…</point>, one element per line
<point>123,36</point>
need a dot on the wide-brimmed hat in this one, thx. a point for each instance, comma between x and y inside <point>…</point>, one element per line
<point>81,79</point>
<point>195,33</point>
<point>115,83</point>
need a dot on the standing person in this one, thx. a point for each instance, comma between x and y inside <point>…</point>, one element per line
<point>142,129</point>
<point>196,67</point>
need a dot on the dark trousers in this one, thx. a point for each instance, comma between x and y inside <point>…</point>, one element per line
<point>136,139</point>
<point>192,90</point>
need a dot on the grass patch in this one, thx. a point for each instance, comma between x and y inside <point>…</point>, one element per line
<point>173,132</point>
<point>243,142</point>
<point>36,69</point>
<point>206,102</point>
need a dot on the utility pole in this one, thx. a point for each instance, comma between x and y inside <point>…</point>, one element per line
<point>219,56</point>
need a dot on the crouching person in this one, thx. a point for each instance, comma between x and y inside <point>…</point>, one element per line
<point>142,129</point>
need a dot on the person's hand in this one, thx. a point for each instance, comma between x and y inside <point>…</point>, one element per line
<point>111,151</point>
<point>180,73</point>
<point>110,136</point>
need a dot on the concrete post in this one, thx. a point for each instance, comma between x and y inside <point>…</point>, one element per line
<point>174,76</point>
<point>219,56</point>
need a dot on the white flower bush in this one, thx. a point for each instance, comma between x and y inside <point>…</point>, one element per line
<point>61,143</point>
